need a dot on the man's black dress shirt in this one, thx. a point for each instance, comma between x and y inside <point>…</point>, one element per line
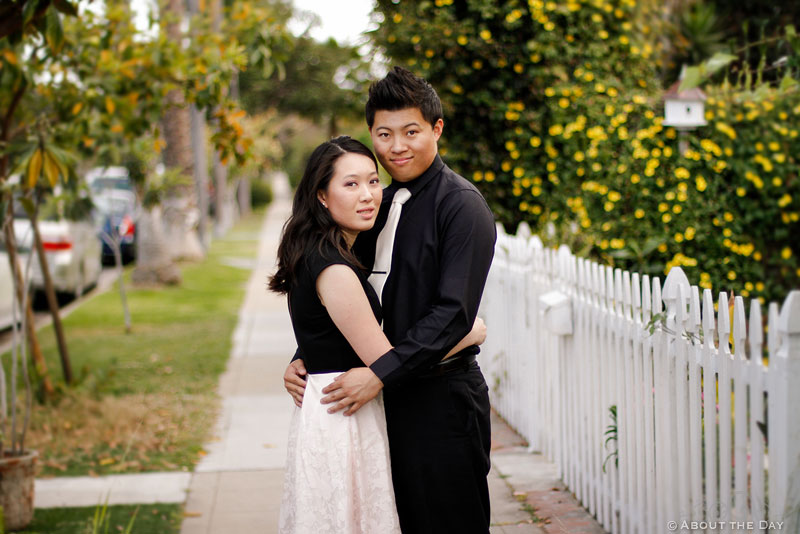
<point>442,252</point>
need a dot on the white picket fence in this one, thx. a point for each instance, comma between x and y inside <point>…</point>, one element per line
<point>708,433</point>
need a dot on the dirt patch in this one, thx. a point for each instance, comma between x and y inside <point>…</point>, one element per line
<point>131,433</point>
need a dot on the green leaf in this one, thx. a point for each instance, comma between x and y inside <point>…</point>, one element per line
<point>787,82</point>
<point>27,205</point>
<point>54,32</point>
<point>66,7</point>
<point>692,77</point>
<point>718,61</point>
<point>28,11</point>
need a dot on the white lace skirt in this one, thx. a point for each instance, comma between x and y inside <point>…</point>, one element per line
<point>338,476</point>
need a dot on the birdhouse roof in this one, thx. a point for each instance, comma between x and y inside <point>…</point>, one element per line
<point>689,94</point>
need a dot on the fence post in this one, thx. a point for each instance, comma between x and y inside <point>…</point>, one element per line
<point>789,326</point>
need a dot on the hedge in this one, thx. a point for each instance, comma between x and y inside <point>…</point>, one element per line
<point>554,109</point>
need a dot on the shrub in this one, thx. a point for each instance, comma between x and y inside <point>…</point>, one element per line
<point>260,193</point>
<point>554,110</point>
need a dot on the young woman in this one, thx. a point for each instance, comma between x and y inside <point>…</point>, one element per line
<point>338,477</point>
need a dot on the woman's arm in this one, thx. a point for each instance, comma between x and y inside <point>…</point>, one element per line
<point>341,293</point>
<point>476,336</point>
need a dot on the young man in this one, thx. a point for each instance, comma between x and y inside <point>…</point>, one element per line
<point>437,411</point>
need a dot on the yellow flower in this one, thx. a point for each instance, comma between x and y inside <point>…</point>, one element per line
<point>603,34</point>
<point>678,237</point>
<point>549,91</point>
<point>519,172</point>
<point>740,191</point>
<point>666,218</point>
<point>556,129</point>
<point>785,200</point>
<point>690,232</point>
<point>786,253</point>
<point>726,129</point>
<point>635,179</point>
<point>677,208</point>
<point>477,64</point>
<point>731,275</point>
<point>535,141</point>
<point>639,213</point>
<point>506,166</point>
<point>681,173</point>
<point>728,216</point>
<point>416,39</point>
<point>397,18</point>
<point>776,181</point>
<point>462,40</point>
<point>489,176</point>
<point>579,156</point>
<point>486,35</point>
<point>563,102</point>
<point>624,39</point>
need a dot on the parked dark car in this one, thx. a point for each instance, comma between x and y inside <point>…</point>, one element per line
<point>116,213</point>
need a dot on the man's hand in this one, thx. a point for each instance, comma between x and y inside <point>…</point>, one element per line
<point>354,388</point>
<point>294,381</point>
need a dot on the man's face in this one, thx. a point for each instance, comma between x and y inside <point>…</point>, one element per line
<point>405,143</point>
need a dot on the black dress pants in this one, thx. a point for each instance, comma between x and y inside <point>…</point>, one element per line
<point>439,441</point>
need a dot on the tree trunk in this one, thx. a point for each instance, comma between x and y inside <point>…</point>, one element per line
<point>201,174</point>
<point>52,302</point>
<point>180,206</point>
<point>243,197</point>
<point>19,285</point>
<point>223,198</point>
<point>153,262</point>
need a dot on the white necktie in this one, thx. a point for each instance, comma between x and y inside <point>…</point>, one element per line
<point>385,243</point>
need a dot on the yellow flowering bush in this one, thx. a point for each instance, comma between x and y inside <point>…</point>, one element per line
<point>554,109</point>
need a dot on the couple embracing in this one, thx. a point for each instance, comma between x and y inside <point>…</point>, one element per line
<point>391,431</point>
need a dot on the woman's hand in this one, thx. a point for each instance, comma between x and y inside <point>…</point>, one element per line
<point>477,335</point>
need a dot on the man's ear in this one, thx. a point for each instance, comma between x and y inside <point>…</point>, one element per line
<point>437,129</point>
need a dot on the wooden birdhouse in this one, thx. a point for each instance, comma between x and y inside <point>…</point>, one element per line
<point>684,110</point>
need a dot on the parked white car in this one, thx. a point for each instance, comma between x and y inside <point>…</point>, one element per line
<point>73,251</point>
<point>6,291</point>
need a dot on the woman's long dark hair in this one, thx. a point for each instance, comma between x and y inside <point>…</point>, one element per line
<point>311,224</point>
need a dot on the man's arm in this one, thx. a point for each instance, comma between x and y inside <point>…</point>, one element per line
<point>467,248</point>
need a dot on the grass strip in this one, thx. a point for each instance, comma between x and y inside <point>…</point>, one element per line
<point>150,519</point>
<point>146,401</point>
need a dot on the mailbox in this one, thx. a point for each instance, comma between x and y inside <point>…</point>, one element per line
<point>556,310</point>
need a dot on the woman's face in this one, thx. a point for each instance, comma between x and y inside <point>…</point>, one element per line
<point>353,195</point>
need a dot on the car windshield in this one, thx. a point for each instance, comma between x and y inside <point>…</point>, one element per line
<point>114,205</point>
<point>107,182</point>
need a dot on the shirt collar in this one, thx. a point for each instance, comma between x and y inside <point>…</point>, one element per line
<point>417,184</point>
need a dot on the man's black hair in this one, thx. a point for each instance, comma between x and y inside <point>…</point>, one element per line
<point>401,89</point>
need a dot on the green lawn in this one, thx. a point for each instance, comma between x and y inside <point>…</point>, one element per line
<point>150,519</point>
<point>145,401</point>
